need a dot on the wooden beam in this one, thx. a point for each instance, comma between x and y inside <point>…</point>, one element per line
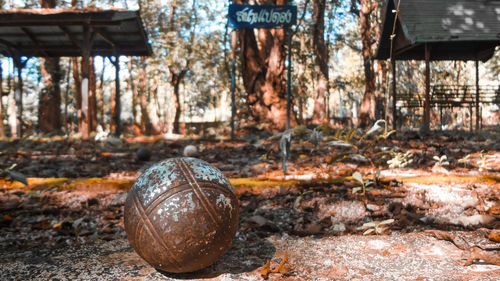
<point>51,22</point>
<point>427,101</point>
<point>33,39</point>
<point>96,50</point>
<point>57,34</point>
<point>70,36</point>
<point>106,37</point>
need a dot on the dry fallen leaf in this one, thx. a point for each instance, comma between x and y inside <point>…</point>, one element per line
<point>440,235</point>
<point>492,235</point>
<point>495,210</point>
<point>490,257</point>
<point>266,270</point>
<point>444,235</point>
<point>285,268</point>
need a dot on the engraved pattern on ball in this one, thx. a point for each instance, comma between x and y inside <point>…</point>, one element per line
<point>181,215</point>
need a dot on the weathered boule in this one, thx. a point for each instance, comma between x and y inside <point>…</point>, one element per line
<point>181,215</point>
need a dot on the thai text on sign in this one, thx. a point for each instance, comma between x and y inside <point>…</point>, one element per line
<point>262,16</point>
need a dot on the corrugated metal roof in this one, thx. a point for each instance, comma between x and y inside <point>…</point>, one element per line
<point>60,32</point>
<point>455,30</point>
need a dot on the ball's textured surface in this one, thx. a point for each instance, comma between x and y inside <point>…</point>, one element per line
<point>181,215</point>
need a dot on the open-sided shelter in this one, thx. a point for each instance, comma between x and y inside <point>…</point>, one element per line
<point>439,30</point>
<point>28,33</point>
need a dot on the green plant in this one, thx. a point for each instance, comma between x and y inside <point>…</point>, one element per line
<point>464,160</point>
<point>441,161</point>
<point>356,148</point>
<point>483,162</point>
<point>400,160</point>
<point>365,183</point>
<point>376,227</point>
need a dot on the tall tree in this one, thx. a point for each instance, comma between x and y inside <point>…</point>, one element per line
<point>178,69</point>
<point>49,103</point>
<point>368,104</point>
<point>263,72</point>
<point>321,52</point>
<point>146,126</point>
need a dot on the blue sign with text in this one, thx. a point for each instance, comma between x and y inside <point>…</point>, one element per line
<point>262,16</point>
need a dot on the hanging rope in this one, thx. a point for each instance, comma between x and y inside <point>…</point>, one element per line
<point>393,34</point>
<point>391,64</point>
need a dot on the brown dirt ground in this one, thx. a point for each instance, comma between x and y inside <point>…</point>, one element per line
<point>68,223</point>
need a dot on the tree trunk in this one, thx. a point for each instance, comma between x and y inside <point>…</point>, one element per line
<point>78,91</point>
<point>176,79</point>
<point>320,108</point>
<point>382,91</point>
<point>263,71</point>
<point>146,126</point>
<point>49,102</point>
<point>368,104</point>
<point>133,88</point>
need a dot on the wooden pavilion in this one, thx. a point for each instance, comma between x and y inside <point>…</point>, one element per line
<point>441,30</point>
<point>83,33</point>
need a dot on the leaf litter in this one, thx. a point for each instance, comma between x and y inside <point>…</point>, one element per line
<point>307,215</point>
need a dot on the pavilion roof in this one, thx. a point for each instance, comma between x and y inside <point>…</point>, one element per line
<point>60,32</point>
<point>454,29</point>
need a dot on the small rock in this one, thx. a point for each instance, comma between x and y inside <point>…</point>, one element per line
<point>257,221</point>
<point>143,154</point>
<point>92,202</point>
<point>338,226</point>
<point>190,151</point>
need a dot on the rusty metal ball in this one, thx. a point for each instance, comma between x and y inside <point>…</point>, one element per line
<point>181,215</point>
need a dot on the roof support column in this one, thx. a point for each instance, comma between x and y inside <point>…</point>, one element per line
<point>394,111</point>
<point>427,101</point>
<point>2,135</point>
<point>84,118</point>
<point>17,130</point>
<point>478,115</point>
<point>117,103</point>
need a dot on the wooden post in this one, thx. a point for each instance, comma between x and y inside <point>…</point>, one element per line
<point>233,81</point>
<point>394,111</point>
<point>427,102</point>
<point>18,98</point>
<point>117,111</point>
<point>66,100</point>
<point>85,116</point>
<point>478,115</point>
<point>471,127</point>
<point>441,117</point>
<point>289,79</point>
<point>1,101</point>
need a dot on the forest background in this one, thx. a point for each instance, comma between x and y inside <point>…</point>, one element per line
<point>187,79</point>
